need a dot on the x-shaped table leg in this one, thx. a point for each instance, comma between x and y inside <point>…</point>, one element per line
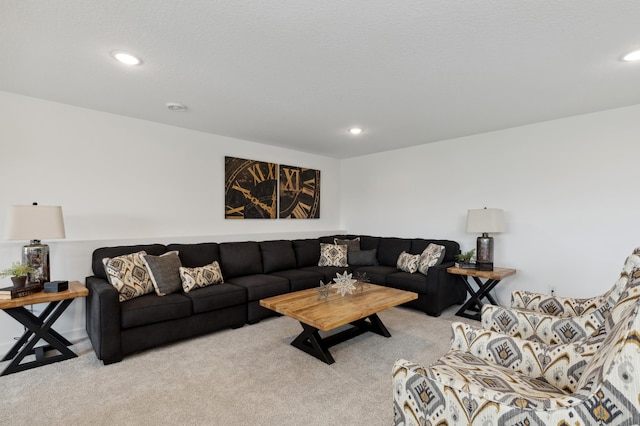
<point>38,328</point>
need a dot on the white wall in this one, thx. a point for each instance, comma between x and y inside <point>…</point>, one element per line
<point>127,181</point>
<point>568,188</point>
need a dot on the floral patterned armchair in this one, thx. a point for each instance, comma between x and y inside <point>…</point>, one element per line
<point>555,320</point>
<point>488,378</point>
<point>570,307</point>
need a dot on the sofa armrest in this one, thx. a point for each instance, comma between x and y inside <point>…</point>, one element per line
<point>103,319</point>
<point>553,305</point>
<point>446,288</point>
<point>545,328</point>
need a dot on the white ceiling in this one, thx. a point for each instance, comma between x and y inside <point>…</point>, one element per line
<point>298,73</point>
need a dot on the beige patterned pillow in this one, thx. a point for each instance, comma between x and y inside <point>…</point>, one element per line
<point>333,255</point>
<point>408,262</point>
<point>201,276</point>
<point>431,256</point>
<point>129,275</point>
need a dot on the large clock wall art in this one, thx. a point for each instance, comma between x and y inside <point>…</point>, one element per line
<point>299,193</point>
<point>252,187</point>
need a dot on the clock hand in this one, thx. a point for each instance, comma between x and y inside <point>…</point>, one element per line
<point>254,200</point>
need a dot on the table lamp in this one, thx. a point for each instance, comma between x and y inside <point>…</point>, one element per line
<point>485,221</point>
<point>34,223</point>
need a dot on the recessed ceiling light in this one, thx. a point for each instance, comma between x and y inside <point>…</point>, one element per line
<point>355,130</point>
<point>633,56</point>
<point>173,106</point>
<point>125,58</point>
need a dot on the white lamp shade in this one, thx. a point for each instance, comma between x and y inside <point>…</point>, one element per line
<point>485,220</point>
<point>34,223</point>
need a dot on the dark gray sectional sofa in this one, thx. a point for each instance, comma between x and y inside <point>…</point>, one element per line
<point>252,271</point>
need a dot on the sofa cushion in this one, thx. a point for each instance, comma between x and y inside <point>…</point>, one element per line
<point>408,262</point>
<point>307,252</point>
<point>430,257</point>
<point>390,248</point>
<point>164,272</point>
<point>368,243</point>
<point>407,281</point>
<point>129,275</point>
<point>200,276</point>
<point>260,286</point>
<point>362,257</point>
<point>100,253</point>
<point>377,273</point>
<point>301,280</point>
<point>277,256</point>
<point>150,309</point>
<point>199,254</point>
<point>239,259</point>
<point>333,255</point>
<point>217,297</point>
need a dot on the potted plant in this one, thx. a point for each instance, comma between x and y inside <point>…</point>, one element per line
<point>464,259</point>
<point>18,273</point>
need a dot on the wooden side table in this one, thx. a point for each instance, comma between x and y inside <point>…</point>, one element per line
<point>474,303</point>
<point>40,327</point>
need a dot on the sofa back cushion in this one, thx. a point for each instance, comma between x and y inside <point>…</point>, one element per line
<point>277,256</point>
<point>390,248</point>
<point>369,243</point>
<point>307,252</point>
<point>451,247</point>
<point>111,252</point>
<point>195,255</point>
<point>240,259</point>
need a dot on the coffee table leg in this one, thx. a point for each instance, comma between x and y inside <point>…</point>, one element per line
<point>310,342</point>
<point>377,326</point>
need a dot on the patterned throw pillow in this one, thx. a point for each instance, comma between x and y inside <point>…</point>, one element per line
<point>201,276</point>
<point>408,262</point>
<point>431,256</point>
<point>129,275</point>
<point>333,255</point>
<point>164,272</point>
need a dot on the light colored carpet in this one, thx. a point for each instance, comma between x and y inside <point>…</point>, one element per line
<point>247,376</point>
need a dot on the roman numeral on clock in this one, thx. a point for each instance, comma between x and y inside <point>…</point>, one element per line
<point>291,180</point>
<point>260,175</point>
<point>301,211</point>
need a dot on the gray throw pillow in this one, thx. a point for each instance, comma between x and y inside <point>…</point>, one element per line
<point>352,245</point>
<point>164,272</point>
<point>363,257</point>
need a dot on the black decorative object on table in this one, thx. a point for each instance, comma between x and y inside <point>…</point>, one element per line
<point>56,286</point>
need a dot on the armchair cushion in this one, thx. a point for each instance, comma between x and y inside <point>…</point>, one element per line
<point>463,387</point>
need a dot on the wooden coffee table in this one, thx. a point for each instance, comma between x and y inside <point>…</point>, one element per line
<point>317,314</point>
